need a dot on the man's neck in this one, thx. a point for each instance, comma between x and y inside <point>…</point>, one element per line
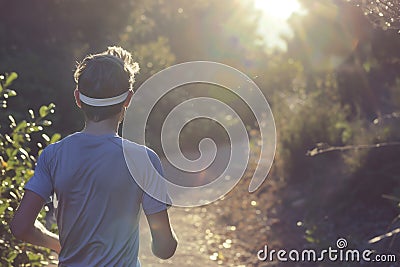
<point>108,126</point>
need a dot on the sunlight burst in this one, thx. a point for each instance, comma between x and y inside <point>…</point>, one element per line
<point>280,9</point>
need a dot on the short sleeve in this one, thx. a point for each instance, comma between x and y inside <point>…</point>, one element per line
<point>151,205</point>
<point>40,183</point>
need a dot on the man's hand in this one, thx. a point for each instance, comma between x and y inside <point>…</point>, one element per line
<point>24,225</point>
<point>164,241</point>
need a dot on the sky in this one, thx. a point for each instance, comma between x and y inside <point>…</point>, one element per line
<point>273,22</point>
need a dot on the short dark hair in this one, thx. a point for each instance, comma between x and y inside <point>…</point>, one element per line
<point>105,75</point>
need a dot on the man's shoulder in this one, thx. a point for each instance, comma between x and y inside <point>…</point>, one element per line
<point>64,140</point>
<point>132,147</point>
<point>140,154</point>
<point>50,150</point>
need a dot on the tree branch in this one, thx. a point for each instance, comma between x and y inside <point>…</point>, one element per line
<point>324,148</point>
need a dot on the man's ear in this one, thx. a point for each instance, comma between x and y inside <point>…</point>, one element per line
<point>77,99</point>
<point>128,99</point>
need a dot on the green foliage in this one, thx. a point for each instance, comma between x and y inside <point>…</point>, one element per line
<point>343,96</point>
<point>17,159</point>
<point>383,14</point>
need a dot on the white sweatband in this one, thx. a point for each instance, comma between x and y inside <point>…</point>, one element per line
<point>102,102</point>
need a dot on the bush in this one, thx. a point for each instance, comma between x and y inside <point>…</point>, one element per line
<point>20,144</point>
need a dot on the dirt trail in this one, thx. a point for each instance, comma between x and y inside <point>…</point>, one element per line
<point>203,240</point>
<point>193,233</point>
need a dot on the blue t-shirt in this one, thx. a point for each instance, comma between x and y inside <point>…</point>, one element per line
<point>98,199</point>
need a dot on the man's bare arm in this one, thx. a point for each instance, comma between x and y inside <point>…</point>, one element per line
<point>164,241</point>
<point>24,225</point>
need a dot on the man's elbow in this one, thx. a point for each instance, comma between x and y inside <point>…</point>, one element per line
<point>171,252</point>
<point>167,251</point>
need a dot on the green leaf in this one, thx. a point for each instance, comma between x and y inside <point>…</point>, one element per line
<point>13,195</point>
<point>55,138</point>
<point>11,118</point>
<point>9,152</point>
<point>12,255</point>
<point>310,239</point>
<point>24,152</point>
<point>46,123</point>
<point>32,114</point>
<point>35,128</point>
<point>11,92</point>
<point>43,111</point>
<point>20,126</point>
<point>10,78</point>
<point>46,137</point>
<point>3,207</point>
